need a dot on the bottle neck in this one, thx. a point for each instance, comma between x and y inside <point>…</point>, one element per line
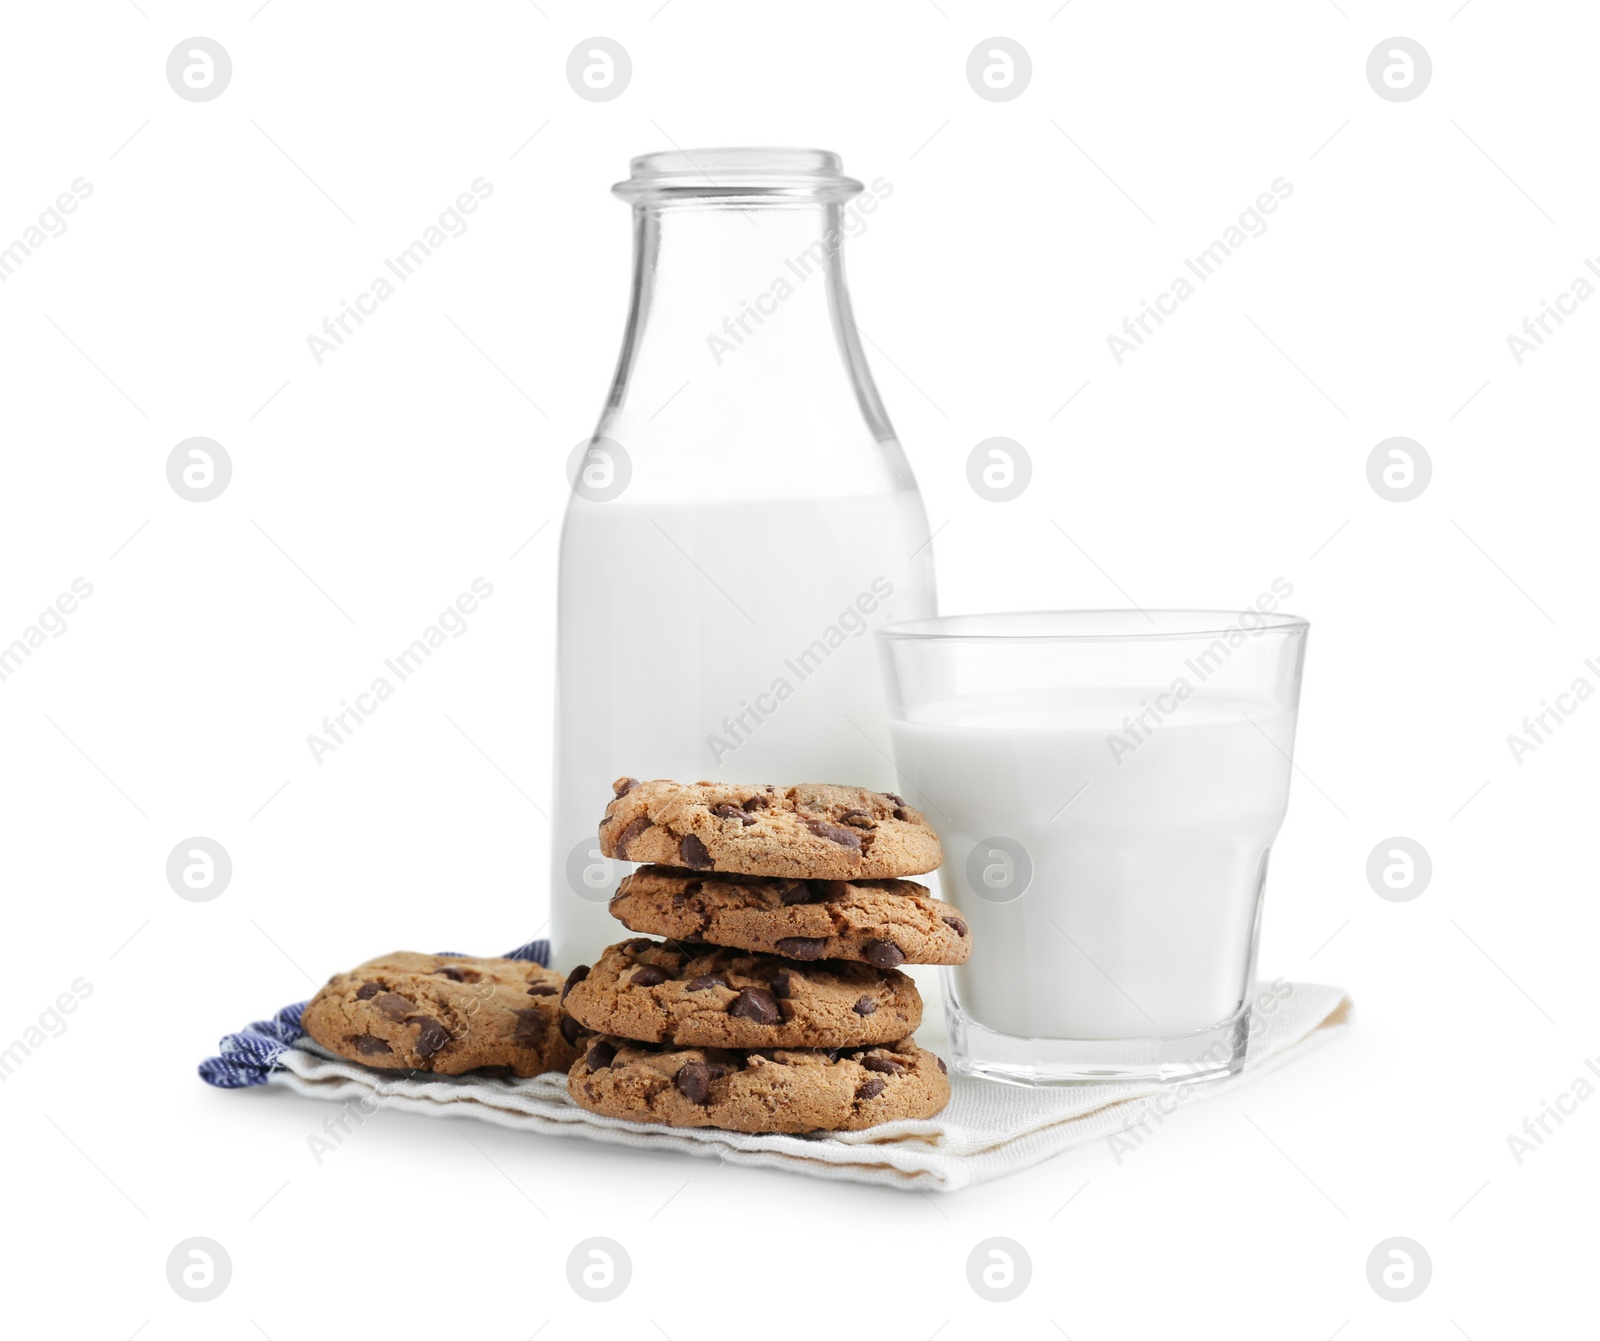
<point>747,301</point>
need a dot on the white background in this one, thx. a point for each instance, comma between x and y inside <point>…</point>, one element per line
<point>369,491</point>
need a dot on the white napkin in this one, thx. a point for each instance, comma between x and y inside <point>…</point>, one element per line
<point>987,1131</point>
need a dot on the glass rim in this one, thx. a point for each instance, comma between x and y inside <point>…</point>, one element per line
<point>1086,626</point>
<point>737,173</point>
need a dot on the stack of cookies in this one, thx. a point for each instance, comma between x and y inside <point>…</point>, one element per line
<point>775,1004</point>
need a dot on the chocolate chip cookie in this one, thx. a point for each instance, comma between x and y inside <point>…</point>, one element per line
<point>446,1014</point>
<point>773,1090</point>
<point>705,996</point>
<point>885,923</point>
<point>815,829</point>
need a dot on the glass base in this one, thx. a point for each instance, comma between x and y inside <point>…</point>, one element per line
<point>1207,1054</point>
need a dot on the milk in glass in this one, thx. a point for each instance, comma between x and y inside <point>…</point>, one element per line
<point>1147,847</point>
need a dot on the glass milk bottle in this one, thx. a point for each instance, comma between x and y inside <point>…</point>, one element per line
<point>741,519</point>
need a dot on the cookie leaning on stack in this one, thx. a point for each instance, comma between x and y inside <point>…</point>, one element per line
<point>448,1014</point>
<point>776,1005</point>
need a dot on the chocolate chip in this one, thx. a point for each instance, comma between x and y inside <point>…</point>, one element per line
<point>370,1045</point>
<point>834,834</point>
<point>898,800</point>
<point>756,1003</point>
<point>829,891</point>
<point>393,1005</point>
<point>572,1031</point>
<point>431,1035</point>
<point>706,980</point>
<point>543,989</point>
<point>694,853</point>
<point>782,985</point>
<point>802,947</point>
<point>454,974</point>
<point>756,803</point>
<point>887,1065</point>
<point>857,819</point>
<point>957,925</point>
<point>631,830</point>
<point>727,811</point>
<point>622,786</point>
<point>647,975</point>
<point>693,888</point>
<point>694,1082</point>
<point>600,1056</point>
<point>883,954</point>
<point>368,990</point>
<point>529,1032</point>
<point>872,1089</point>
<point>865,1006</point>
<point>573,979</point>
<point>943,1069</point>
<point>901,815</point>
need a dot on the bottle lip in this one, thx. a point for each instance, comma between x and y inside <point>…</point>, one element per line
<point>743,174</point>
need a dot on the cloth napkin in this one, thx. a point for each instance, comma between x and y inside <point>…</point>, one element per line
<point>988,1130</point>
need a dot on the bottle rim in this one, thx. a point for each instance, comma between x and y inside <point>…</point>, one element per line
<point>743,174</point>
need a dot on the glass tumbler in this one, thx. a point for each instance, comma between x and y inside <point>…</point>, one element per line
<point>1108,786</point>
